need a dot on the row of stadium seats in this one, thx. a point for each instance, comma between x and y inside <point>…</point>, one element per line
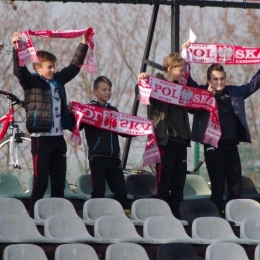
<point>129,251</point>
<point>138,186</point>
<point>63,225</point>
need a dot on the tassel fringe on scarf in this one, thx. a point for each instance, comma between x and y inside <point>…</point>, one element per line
<point>117,122</point>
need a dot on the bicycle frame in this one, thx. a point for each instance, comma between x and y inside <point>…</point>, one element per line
<point>8,120</point>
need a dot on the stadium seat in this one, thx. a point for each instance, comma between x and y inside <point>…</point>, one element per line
<point>75,252</point>
<point>213,229</point>
<point>196,187</point>
<point>67,229</point>
<point>126,251</point>
<point>20,229</point>
<point>257,252</point>
<point>176,251</point>
<point>250,230</point>
<point>192,209</point>
<point>161,230</point>
<point>230,251</point>
<point>84,187</point>
<point>47,207</point>
<point>24,252</point>
<point>99,207</point>
<point>68,193</point>
<point>239,209</point>
<point>116,229</point>
<point>142,209</point>
<point>13,206</point>
<point>248,190</point>
<point>11,187</point>
<point>141,186</point>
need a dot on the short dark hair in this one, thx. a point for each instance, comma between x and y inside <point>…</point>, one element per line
<point>213,67</point>
<point>44,56</point>
<point>101,79</point>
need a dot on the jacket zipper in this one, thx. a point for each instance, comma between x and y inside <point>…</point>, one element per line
<point>98,141</point>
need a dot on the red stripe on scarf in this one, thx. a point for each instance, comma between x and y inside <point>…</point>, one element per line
<point>221,53</point>
<point>27,52</point>
<point>185,96</point>
<point>117,122</point>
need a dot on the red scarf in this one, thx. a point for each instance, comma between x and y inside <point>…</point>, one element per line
<point>27,51</point>
<point>221,53</point>
<point>117,122</point>
<point>189,97</point>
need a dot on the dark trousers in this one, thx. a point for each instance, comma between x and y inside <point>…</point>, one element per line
<point>223,164</point>
<point>49,159</point>
<point>171,174</point>
<point>107,169</point>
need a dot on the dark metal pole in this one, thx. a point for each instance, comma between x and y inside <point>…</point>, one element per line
<point>175,27</point>
<point>143,69</point>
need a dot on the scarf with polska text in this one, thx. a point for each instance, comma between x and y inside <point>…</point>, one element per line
<point>221,53</point>
<point>27,51</point>
<point>180,95</point>
<point>117,122</point>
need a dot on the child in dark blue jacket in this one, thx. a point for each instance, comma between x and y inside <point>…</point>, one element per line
<point>104,150</point>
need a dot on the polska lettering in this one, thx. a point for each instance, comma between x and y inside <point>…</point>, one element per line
<point>184,96</point>
<point>219,53</point>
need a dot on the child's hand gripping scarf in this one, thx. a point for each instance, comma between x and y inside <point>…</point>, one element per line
<point>117,122</point>
<point>189,97</point>
<point>27,51</point>
<point>221,53</point>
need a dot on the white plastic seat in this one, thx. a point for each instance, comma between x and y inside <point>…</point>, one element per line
<point>10,187</point>
<point>84,187</point>
<point>20,229</point>
<point>196,187</point>
<point>116,229</point>
<point>126,251</point>
<point>24,252</point>
<point>223,251</point>
<point>67,229</point>
<point>250,230</point>
<point>12,206</point>
<point>257,252</point>
<point>213,229</point>
<point>144,208</point>
<point>99,207</point>
<point>68,193</point>
<point>239,209</point>
<point>75,252</point>
<point>166,229</point>
<point>47,207</point>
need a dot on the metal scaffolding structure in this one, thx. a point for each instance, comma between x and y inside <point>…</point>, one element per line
<point>175,28</point>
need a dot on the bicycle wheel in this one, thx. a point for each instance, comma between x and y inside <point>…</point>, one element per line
<point>24,159</point>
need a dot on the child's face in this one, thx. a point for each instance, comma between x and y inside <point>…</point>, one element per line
<point>217,80</point>
<point>177,72</point>
<point>103,92</point>
<point>46,69</point>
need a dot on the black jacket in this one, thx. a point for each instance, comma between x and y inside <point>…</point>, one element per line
<point>100,141</point>
<point>238,94</point>
<point>37,93</point>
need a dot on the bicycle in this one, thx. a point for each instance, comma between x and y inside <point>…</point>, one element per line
<point>15,148</point>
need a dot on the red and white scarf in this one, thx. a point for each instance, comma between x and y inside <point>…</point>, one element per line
<point>221,53</point>
<point>180,95</point>
<point>27,51</point>
<point>117,122</point>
